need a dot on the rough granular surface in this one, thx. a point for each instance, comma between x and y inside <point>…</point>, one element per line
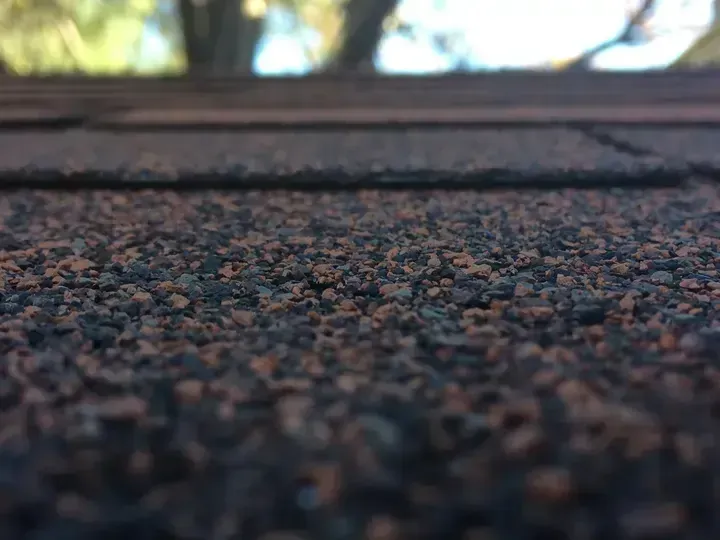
<point>528,150</point>
<point>367,365</point>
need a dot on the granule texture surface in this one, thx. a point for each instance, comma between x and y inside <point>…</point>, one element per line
<point>530,151</point>
<point>378,365</point>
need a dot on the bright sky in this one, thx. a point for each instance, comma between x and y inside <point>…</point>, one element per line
<point>504,34</point>
<point>526,33</point>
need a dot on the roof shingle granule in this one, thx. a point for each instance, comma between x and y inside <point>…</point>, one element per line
<point>380,365</point>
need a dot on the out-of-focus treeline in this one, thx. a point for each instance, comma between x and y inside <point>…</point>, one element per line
<point>224,36</point>
<point>220,36</point>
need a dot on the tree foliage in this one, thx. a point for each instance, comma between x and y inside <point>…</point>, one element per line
<point>706,50</point>
<point>318,26</point>
<point>106,36</point>
<point>44,36</point>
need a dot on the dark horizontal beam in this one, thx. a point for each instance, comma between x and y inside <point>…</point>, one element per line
<point>507,99</point>
<point>391,118</point>
<point>483,87</point>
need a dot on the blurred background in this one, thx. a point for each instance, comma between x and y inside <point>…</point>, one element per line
<point>296,37</point>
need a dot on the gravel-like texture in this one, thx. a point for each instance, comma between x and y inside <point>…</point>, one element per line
<point>369,365</point>
<point>528,151</point>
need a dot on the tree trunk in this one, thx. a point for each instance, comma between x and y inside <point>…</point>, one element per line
<point>706,50</point>
<point>363,29</point>
<point>218,36</point>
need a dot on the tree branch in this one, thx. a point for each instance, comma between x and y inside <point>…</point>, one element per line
<point>70,36</point>
<point>625,36</point>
